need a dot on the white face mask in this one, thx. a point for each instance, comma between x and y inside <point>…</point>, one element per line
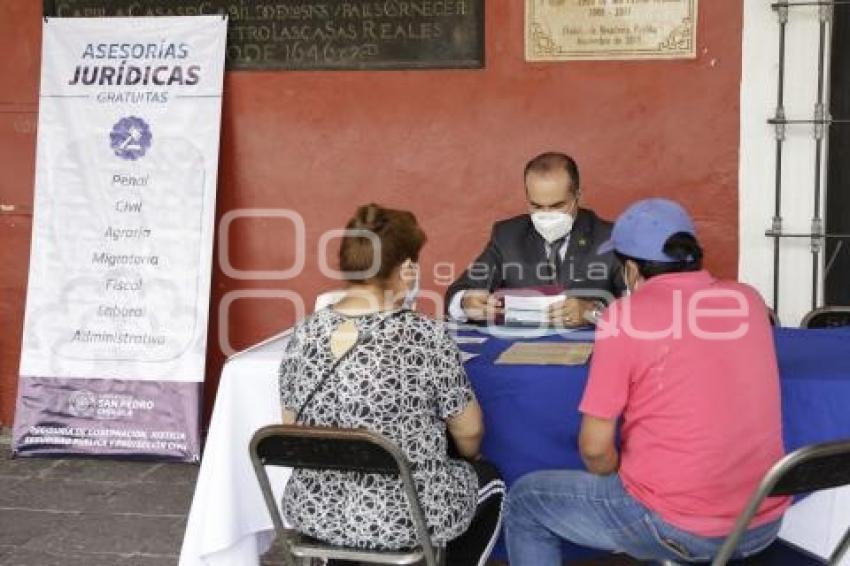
<point>552,225</point>
<point>412,291</point>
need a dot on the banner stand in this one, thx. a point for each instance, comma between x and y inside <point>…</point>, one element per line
<point>115,331</point>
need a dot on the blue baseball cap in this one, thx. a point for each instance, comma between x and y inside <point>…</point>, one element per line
<point>643,229</point>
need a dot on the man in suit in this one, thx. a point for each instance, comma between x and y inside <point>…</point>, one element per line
<point>553,245</point>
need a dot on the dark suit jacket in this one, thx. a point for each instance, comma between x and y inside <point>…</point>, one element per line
<point>515,257</point>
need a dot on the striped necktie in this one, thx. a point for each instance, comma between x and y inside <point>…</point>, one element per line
<point>553,256</point>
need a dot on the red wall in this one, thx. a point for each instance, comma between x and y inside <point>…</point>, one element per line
<point>20,43</point>
<point>449,145</point>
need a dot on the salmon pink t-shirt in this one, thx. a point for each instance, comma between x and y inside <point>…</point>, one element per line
<point>689,364</point>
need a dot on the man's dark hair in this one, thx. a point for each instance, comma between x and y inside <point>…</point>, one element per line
<point>682,247</point>
<point>552,161</point>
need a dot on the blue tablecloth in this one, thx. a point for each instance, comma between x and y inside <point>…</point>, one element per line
<point>532,421</point>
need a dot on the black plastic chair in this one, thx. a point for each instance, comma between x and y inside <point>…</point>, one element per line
<point>811,468</point>
<point>827,317</point>
<point>324,448</point>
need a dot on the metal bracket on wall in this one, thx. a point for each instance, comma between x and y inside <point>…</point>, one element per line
<point>15,209</point>
<point>824,120</point>
<point>824,4</point>
<point>820,123</point>
<point>814,235</point>
<point>779,122</point>
<point>817,236</point>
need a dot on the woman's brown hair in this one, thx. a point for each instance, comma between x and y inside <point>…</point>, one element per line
<point>397,231</point>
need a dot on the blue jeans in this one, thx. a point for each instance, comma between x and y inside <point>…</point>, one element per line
<point>543,508</point>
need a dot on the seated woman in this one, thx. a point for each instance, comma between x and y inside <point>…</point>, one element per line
<point>370,362</point>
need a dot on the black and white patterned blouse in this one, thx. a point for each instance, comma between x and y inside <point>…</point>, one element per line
<point>403,380</point>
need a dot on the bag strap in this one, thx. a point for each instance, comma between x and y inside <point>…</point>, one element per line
<point>361,337</point>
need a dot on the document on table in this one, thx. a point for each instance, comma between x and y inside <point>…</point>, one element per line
<point>470,339</point>
<point>547,353</point>
<point>529,310</point>
<point>456,326</point>
<point>466,356</point>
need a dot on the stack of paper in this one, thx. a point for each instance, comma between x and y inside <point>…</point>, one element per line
<point>529,310</point>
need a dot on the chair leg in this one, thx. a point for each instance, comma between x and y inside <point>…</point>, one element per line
<point>841,549</point>
<point>441,555</point>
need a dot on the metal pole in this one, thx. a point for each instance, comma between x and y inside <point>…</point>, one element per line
<point>819,131</point>
<point>782,12</point>
<point>813,3</point>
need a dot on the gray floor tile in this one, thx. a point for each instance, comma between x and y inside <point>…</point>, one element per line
<point>172,474</point>
<point>121,534</point>
<point>26,557</point>
<point>5,550</point>
<point>23,527</point>
<point>150,498</point>
<point>23,467</point>
<point>57,495</point>
<point>274,556</point>
<point>92,469</point>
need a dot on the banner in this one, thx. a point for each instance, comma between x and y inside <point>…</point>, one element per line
<point>115,331</point>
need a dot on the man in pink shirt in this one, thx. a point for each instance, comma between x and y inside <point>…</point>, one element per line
<point>686,364</point>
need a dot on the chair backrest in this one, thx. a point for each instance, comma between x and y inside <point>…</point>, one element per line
<point>827,317</point>
<point>808,469</point>
<point>328,448</point>
<point>812,468</point>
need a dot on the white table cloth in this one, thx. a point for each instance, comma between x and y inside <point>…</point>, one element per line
<point>228,522</point>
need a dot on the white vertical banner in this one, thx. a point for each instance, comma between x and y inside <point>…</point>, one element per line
<point>118,294</point>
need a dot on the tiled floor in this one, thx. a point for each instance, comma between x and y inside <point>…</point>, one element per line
<point>79,512</point>
<point>83,512</point>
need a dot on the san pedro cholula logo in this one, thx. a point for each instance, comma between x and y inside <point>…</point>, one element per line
<point>82,404</point>
<point>130,138</point>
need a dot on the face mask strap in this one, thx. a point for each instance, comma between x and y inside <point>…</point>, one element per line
<point>413,291</point>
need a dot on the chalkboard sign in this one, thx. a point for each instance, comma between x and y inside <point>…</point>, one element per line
<point>323,34</point>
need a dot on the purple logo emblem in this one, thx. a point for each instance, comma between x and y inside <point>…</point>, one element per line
<point>82,403</point>
<point>130,138</point>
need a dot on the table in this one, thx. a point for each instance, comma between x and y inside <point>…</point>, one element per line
<point>228,522</point>
<point>229,525</point>
<point>815,379</point>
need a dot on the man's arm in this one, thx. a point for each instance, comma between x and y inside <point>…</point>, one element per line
<point>485,273</point>
<point>597,445</point>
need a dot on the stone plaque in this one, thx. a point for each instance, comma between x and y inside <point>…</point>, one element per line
<point>323,34</point>
<point>562,30</point>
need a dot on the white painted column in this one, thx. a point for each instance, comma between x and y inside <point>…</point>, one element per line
<point>817,523</point>
<point>758,147</point>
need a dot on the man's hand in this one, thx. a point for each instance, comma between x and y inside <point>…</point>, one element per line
<point>572,311</point>
<point>480,305</point>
